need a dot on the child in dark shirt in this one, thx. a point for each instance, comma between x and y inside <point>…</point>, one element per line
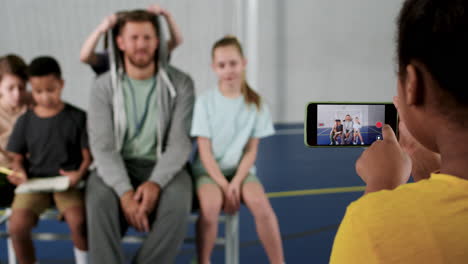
<point>337,131</point>
<point>48,140</point>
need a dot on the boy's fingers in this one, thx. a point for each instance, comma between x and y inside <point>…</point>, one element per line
<point>388,134</point>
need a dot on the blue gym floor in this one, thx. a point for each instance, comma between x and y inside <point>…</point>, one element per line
<point>369,135</point>
<point>308,222</point>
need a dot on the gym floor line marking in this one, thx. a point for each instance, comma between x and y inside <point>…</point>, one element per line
<point>316,191</point>
<point>301,192</point>
<point>293,131</point>
<point>375,130</point>
<point>323,132</point>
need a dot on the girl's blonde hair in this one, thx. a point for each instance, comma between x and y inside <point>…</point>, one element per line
<point>251,97</point>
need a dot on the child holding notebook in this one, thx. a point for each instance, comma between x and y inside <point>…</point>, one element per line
<point>48,140</point>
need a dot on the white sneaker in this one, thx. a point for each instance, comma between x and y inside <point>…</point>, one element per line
<point>362,143</point>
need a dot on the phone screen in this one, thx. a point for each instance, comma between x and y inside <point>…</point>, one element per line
<point>347,124</point>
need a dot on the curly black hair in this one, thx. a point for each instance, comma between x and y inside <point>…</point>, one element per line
<point>435,33</point>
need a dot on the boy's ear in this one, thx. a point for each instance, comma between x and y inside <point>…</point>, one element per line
<point>412,85</point>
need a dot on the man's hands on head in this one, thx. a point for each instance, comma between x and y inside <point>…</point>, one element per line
<point>384,165</point>
<point>157,10</point>
<point>137,205</point>
<point>107,23</point>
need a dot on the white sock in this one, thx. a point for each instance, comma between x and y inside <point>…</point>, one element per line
<point>81,256</point>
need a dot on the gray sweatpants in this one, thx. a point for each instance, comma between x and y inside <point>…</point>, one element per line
<point>106,222</point>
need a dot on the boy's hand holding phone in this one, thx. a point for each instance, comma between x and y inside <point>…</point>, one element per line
<point>326,121</point>
<point>384,165</point>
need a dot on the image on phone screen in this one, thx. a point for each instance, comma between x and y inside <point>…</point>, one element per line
<point>353,124</point>
<point>349,124</point>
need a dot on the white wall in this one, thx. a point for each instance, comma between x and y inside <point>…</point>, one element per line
<point>326,50</point>
<point>56,27</point>
<point>368,115</point>
<point>309,50</point>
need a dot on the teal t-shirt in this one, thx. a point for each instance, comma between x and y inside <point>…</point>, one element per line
<point>229,124</point>
<point>140,107</point>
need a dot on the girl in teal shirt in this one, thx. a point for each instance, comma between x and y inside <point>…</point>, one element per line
<point>228,122</point>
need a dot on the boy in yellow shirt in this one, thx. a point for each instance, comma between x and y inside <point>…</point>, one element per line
<point>422,222</point>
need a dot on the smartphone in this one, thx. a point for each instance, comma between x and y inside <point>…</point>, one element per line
<point>345,124</point>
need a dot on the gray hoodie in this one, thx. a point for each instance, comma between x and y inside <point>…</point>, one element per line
<point>348,125</point>
<point>107,125</point>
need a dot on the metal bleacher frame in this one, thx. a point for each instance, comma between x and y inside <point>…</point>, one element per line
<point>230,241</point>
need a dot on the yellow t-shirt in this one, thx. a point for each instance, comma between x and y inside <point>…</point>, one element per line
<point>424,222</point>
